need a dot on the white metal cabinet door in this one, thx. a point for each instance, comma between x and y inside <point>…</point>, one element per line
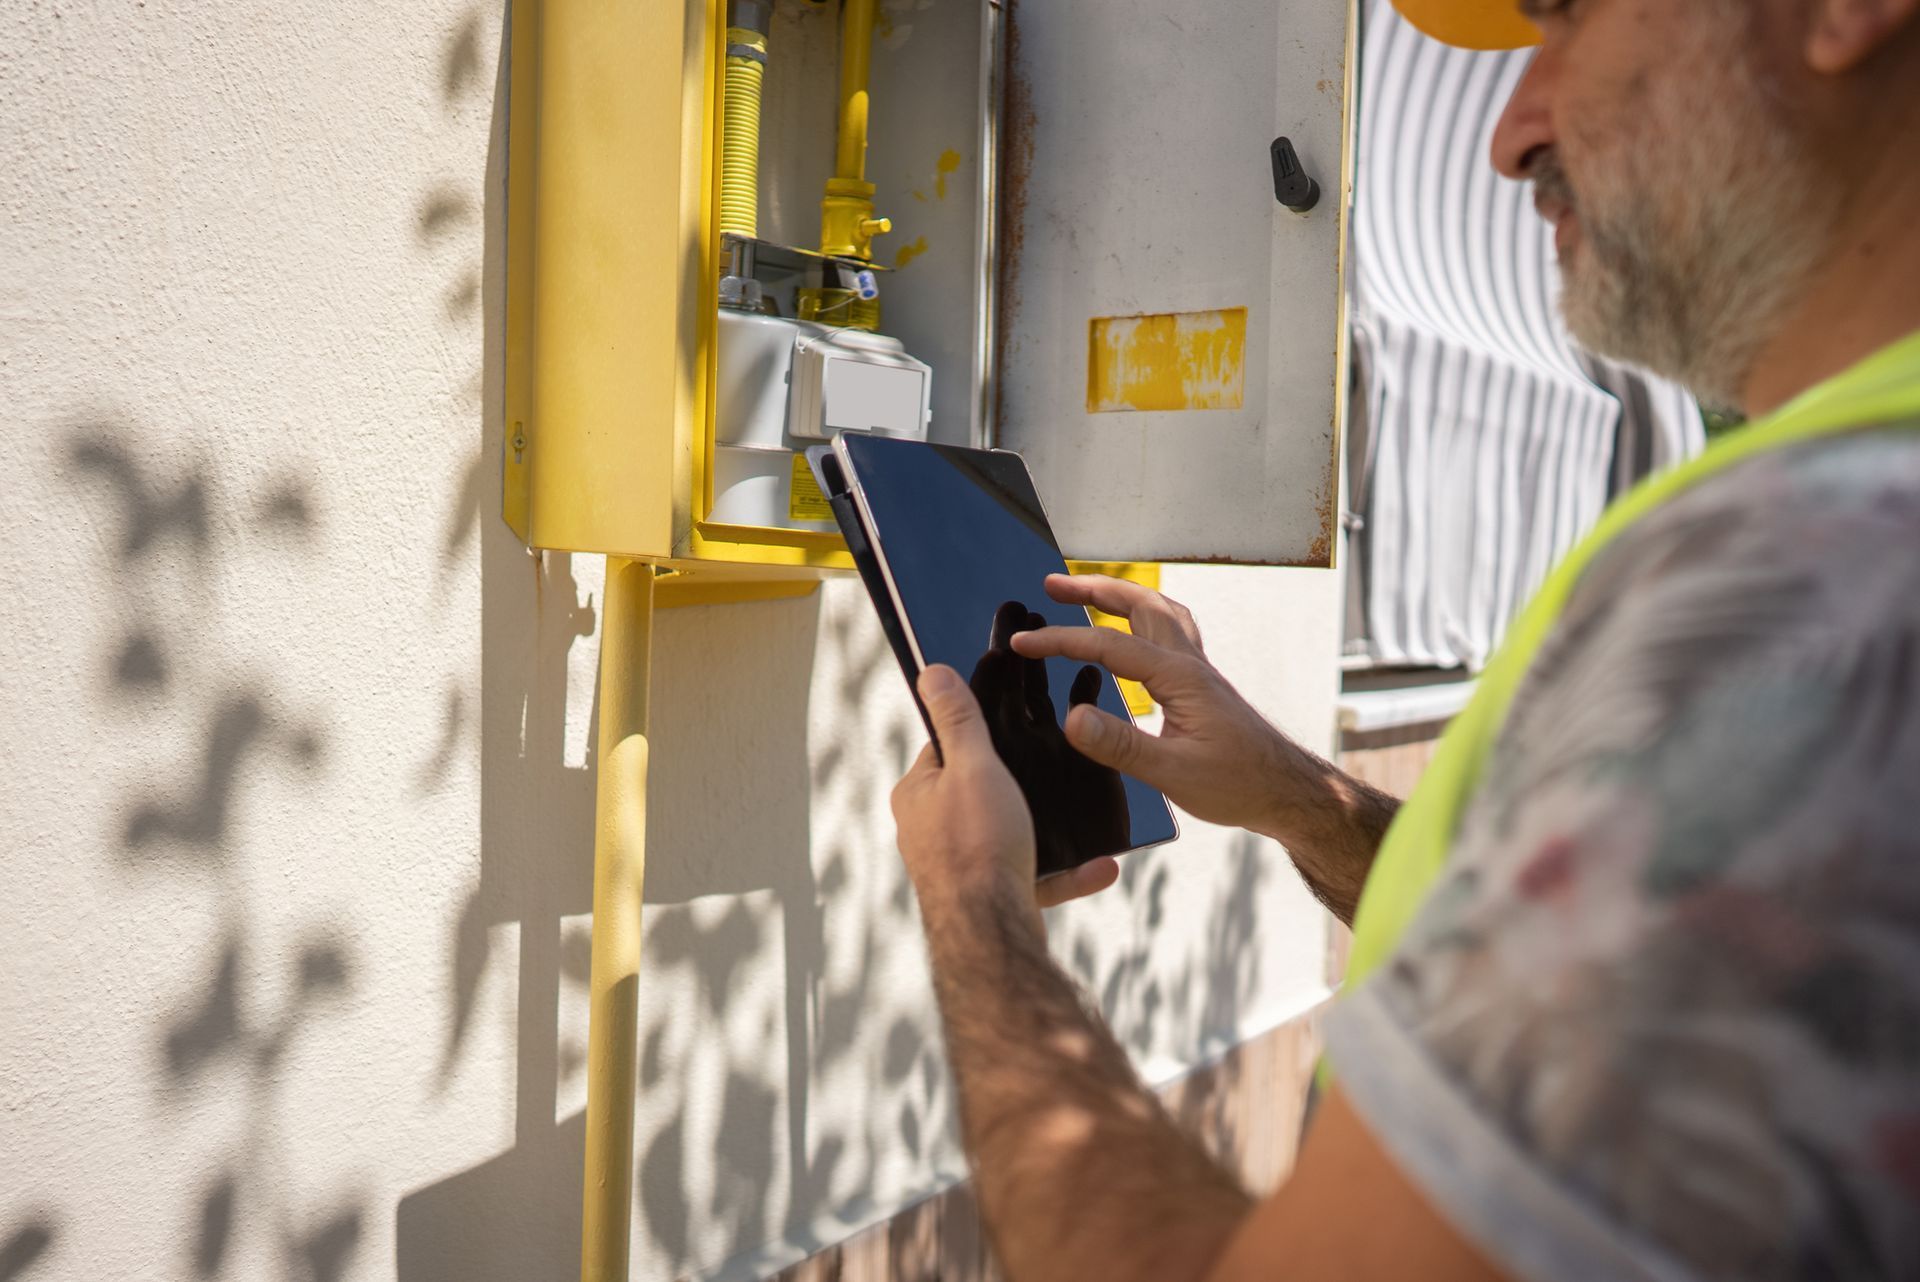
<point>1136,183</point>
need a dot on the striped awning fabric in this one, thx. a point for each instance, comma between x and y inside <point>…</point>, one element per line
<point>1482,443</point>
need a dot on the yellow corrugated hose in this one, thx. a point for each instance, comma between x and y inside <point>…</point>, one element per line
<point>740,133</point>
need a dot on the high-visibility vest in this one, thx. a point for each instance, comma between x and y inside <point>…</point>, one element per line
<point>1881,391</point>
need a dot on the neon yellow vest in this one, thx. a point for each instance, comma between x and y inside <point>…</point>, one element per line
<point>1884,389</point>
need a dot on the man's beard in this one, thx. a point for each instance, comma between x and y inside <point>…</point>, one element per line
<point>1700,221</point>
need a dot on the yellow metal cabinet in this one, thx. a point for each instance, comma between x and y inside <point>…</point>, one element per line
<point>1085,247</point>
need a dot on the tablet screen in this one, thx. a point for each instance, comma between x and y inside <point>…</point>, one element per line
<point>967,546</point>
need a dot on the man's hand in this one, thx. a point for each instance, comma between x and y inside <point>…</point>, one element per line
<point>965,831</point>
<point>1215,757</point>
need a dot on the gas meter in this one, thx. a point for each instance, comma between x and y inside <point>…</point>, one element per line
<point>1104,233</point>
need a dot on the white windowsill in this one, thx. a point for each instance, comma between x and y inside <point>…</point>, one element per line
<point>1364,711</point>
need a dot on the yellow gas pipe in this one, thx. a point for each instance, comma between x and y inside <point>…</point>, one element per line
<point>619,872</point>
<point>847,224</point>
<point>747,24</point>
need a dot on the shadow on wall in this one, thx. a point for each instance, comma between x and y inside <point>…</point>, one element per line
<point>171,532</point>
<point>168,522</point>
<point>172,538</point>
<point>730,885</point>
<point>516,1215</point>
<point>25,1246</point>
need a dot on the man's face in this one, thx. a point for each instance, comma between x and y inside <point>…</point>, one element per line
<point>1687,208</point>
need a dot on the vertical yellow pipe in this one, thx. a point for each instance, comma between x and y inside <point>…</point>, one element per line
<point>619,871</point>
<point>847,224</point>
<point>856,57</point>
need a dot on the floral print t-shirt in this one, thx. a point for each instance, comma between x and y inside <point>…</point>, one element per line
<point>1660,1016</point>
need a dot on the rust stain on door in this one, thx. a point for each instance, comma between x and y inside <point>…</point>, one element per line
<point>1169,361</point>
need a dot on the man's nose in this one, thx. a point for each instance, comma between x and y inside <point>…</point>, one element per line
<point>1526,125</point>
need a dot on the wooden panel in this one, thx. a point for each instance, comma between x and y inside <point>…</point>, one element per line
<point>1247,1108</point>
<point>1392,761</point>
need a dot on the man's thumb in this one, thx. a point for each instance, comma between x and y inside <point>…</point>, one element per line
<point>955,713</point>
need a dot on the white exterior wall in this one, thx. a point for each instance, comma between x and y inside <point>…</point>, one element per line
<point>297,815</point>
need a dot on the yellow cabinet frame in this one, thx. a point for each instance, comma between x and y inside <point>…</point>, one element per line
<point>612,271</point>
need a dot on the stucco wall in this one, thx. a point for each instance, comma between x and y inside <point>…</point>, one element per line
<point>296,818</point>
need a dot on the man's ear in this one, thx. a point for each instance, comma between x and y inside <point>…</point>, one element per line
<point>1845,33</point>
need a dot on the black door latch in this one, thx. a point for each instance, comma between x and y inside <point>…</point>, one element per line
<point>1291,186</point>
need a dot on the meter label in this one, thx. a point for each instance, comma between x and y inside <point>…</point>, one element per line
<point>806,501</point>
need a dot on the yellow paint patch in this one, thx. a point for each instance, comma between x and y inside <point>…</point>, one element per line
<point>1147,575</point>
<point>949,161</point>
<point>1170,361</point>
<point>910,252</point>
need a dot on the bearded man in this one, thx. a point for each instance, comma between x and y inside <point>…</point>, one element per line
<point>1636,979</point>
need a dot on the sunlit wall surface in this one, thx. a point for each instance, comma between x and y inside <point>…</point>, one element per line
<point>296,821</point>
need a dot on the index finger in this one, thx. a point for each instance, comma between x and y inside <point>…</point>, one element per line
<point>1109,595</point>
<point>1121,653</point>
<point>1150,613</point>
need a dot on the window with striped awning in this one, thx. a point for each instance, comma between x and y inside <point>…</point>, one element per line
<point>1482,443</point>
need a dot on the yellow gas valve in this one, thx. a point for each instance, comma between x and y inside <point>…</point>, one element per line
<point>847,221</point>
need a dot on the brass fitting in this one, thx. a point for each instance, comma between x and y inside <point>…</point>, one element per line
<point>839,307</point>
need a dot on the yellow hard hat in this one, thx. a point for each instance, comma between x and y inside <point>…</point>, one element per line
<point>1471,24</point>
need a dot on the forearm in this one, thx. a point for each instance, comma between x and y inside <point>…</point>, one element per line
<point>1331,824</point>
<point>1079,1171</point>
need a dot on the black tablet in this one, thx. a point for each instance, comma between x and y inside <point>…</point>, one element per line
<point>954,548</point>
